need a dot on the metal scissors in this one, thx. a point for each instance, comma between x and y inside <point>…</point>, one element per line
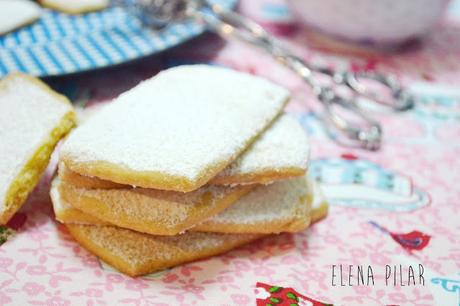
<point>229,24</point>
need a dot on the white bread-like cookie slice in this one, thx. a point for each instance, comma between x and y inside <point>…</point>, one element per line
<point>75,7</point>
<point>136,253</point>
<point>33,118</point>
<point>17,13</point>
<point>66,213</point>
<point>152,211</point>
<point>75,179</point>
<point>281,152</point>
<point>283,206</point>
<point>175,131</point>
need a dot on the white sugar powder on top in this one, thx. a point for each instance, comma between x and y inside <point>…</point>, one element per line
<point>179,122</point>
<point>28,114</point>
<point>266,203</point>
<point>284,145</point>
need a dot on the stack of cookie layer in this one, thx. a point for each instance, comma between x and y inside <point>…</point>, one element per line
<point>188,164</point>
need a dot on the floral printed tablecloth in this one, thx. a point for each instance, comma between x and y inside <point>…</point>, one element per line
<point>399,206</point>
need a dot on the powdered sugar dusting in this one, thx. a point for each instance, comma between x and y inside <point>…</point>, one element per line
<point>14,14</point>
<point>179,122</point>
<point>28,114</point>
<point>165,208</point>
<point>283,145</point>
<point>267,203</point>
<point>140,249</point>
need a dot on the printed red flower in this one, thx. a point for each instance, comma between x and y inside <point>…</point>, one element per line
<point>281,296</point>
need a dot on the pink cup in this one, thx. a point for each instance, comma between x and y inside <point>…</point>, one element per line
<point>371,21</point>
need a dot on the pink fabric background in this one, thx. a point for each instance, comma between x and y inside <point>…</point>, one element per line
<point>42,265</point>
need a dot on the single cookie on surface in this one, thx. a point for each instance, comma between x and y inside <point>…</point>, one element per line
<point>136,254</point>
<point>183,126</point>
<point>17,13</point>
<point>151,211</point>
<point>282,151</point>
<point>283,206</point>
<point>75,7</point>
<point>33,118</point>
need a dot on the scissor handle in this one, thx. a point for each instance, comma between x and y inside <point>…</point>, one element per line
<point>230,24</point>
<point>401,99</point>
<point>368,136</point>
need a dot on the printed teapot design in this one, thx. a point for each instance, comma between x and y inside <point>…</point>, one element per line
<point>352,182</point>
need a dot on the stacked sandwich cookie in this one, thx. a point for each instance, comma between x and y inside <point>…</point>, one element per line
<point>189,164</point>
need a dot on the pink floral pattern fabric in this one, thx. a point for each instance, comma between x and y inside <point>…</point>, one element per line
<point>43,265</point>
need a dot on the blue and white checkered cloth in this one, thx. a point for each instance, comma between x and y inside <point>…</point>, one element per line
<point>60,44</point>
